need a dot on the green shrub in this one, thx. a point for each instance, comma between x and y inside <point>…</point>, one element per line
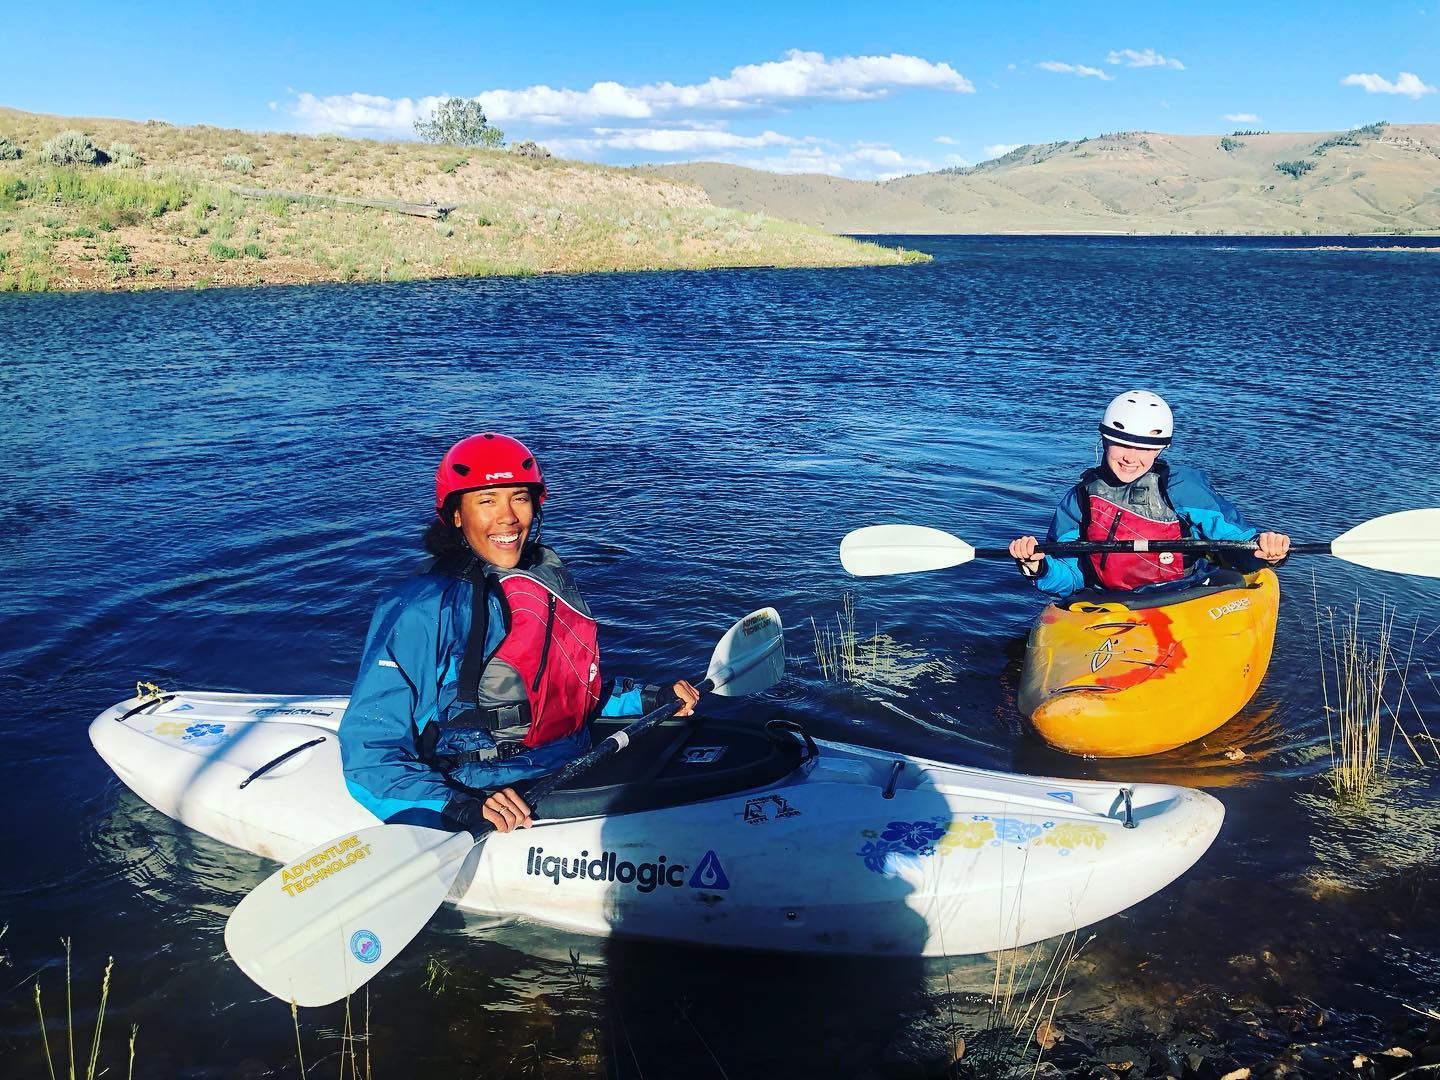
<point>255,251</point>
<point>449,165</point>
<point>1296,169</point>
<point>117,253</point>
<point>1228,144</point>
<point>241,163</point>
<point>222,250</point>
<point>12,190</point>
<point>126,156</point>
<point>8,150</point>
<point>72,148</point>
<point>530,149</point>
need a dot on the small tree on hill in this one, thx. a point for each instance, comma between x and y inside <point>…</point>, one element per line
<point>459,122</point>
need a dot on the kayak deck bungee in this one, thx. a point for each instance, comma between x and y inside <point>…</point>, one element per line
<point>821,847</point>
<point>1125,676</point>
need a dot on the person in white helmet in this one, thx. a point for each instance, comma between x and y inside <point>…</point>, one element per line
<point>1133,495</point>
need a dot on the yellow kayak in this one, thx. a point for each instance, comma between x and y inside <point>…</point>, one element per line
<point>1121,678</point>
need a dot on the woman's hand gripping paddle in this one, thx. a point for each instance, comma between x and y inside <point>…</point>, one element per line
<point>1404,543</point>
<point>322,926</point>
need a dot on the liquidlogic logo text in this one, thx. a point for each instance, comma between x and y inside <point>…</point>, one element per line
<point>644,876</point>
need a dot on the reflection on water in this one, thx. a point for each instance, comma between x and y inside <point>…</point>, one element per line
<point>212,489</point>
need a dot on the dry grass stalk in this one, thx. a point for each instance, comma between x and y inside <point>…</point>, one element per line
<point>1029,984</point>
<point>1360,662</point>
<point>838,649</point>
<point>90,1072</point>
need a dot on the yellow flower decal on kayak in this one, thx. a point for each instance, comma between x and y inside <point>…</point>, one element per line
<point>967,834</point>
<point>1069,836</point>
<point>171,728</point>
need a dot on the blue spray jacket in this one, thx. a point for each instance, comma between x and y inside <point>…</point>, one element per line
<point>408,677</point>
<point>1207,514</point>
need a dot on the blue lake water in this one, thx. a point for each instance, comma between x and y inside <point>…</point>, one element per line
<point>211,490</point>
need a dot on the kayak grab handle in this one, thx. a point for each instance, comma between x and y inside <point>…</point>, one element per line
<point>280,760</point>
<point>895,770</point>
<point>780,731</point>
<point>1129,809</point>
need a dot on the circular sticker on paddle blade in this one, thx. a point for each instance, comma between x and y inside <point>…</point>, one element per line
<point>365,946</point>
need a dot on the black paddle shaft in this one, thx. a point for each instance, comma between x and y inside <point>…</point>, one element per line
<point>612,744</point>
<point>1118,547</point>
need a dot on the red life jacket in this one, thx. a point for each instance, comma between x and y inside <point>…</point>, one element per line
<point>553,647</point>
<point>543,681</point>
<point>1139,510</point>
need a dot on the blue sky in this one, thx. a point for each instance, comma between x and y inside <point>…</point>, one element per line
<point>860,90</point>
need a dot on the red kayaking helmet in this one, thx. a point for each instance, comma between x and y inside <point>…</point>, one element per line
<point>486,460</point>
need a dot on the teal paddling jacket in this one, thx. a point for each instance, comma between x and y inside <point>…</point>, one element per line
<point>1207,513</point>
<point>409,675</point>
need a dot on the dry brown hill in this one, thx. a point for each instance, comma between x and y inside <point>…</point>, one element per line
<point>1380,178</point>
<point>157,206</point>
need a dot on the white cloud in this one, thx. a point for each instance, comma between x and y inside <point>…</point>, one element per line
<point>1408,84</point>
<point>947,140</point>
<point>1075,69</point>
<point>1147,58</point>
<point>958,159</point>
<point>999,150</point>
<point>859,161</point>
<point>1241,117</point>
<point>362,112</point>
<point>800,76</point>
<point>666,141</point>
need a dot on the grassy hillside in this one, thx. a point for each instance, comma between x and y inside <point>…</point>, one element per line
<point>1375,179</point>
<point>161,212</point>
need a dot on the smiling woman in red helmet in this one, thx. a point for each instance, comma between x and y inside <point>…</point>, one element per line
<point>1132,495</point>
<point>484,669</point>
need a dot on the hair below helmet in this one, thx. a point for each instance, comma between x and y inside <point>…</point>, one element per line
<point>1140,419</point>
<point>486,460</point>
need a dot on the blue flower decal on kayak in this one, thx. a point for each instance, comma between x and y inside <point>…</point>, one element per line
<point>1015,831</point>
<point>204,734</point>
<point>916,835</point>
<point>904,843</point>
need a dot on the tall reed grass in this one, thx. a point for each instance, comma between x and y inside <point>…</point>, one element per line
<point>1028,987</point>
<point>1363,681</point>
<point>70,1035</point>
<point>839,652</point>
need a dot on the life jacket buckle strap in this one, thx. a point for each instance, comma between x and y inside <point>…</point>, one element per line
<point>495,718</point>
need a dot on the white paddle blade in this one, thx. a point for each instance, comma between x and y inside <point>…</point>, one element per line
<point>901,549</point>
<point>1403,543</point>
<point>322,926</point>
<point>751,655</point>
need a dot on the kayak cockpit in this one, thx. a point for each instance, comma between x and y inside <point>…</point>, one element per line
<point>685,761</point>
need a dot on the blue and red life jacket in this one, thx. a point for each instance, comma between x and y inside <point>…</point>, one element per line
<point>542,682</point>
<point>1139,510</point>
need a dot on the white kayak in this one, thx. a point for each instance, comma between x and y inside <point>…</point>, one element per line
<point>705,833</point>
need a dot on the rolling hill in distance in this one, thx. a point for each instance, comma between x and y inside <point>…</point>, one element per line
<point>1380,178</point>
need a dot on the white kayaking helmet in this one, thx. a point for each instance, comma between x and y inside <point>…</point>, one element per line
<point>1140,419</point>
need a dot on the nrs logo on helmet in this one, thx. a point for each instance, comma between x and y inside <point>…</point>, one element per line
<point>1139,419</point>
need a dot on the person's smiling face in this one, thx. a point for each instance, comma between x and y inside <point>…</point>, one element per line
<point>1127,462</point>
<point>495,522</point>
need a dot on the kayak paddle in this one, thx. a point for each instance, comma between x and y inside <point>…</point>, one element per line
<point>1407,542</point>
<point>326,923</point>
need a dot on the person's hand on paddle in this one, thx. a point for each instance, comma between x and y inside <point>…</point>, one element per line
<point>503,810</point>
<point>1025,556</point>
<point>1272,546</point>
<point>688,696</point>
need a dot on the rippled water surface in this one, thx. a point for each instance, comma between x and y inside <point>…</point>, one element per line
<point>212,489</point>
